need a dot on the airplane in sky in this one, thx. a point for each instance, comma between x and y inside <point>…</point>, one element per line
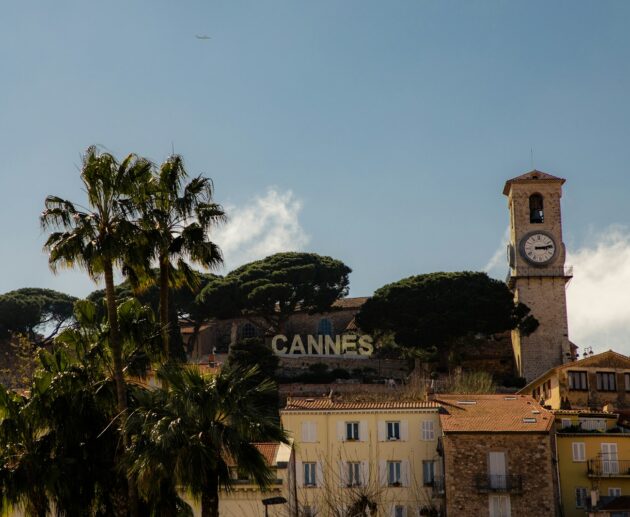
<point>202,36</point>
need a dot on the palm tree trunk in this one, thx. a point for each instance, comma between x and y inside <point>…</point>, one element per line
<point>119,376</point>
<point>210,498</point>
<point>164,321</point>
<point>114,337</point>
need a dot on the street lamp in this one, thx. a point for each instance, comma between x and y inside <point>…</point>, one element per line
<point>272,500</point>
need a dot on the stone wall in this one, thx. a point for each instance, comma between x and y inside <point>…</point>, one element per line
<point>528,455</point>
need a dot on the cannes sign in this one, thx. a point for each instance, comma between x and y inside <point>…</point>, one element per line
<point>347,344</point>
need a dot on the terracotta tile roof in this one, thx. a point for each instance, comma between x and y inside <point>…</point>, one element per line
<point>350,303</point>
<point>327,404</point>
<point>493,413</point>
<point>531,176</point>
<point>189,329</point>
<point>268,450</point>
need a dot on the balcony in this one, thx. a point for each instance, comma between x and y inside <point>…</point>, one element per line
<point>489,483</point>
<point>607,468</point>
<point>438,486</point>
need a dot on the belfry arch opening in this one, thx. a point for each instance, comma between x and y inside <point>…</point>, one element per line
<point>536,209</point>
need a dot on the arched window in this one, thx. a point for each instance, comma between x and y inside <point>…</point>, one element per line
<point>248,331</point>
<point>536,209</point>
<point>325,327</point>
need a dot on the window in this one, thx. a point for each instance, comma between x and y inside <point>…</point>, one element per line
<point>593,424</point>
<point>614,492</point>
<point>354,473</point>
<point>428,473</point>
<point>248,331</point>
<point>500,506</point>
<point>606,381</point>
<point>626,378</point>
<point>324,327</point>
<point>393,473</point>
<point>566,422</point>
<point>308,511</point>
<point>352,431</point>
<point>393,430</point>
<point>309,474</point>
<point>579,451</point>
<point>536,209</point>
<point>399,511</point>
<point>578,381</point>
<point>580,497</point>
<point>427,430</point>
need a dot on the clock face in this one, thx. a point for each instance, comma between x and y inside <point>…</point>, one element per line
<point>538,248</point>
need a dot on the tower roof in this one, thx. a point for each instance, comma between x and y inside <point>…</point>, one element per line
<point>532,177</point>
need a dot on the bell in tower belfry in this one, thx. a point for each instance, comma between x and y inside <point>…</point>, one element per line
<point>538,276</point>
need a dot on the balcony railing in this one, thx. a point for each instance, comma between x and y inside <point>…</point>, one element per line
<point>490,483</point>
<point>438,486</point>
<point>605,468</point>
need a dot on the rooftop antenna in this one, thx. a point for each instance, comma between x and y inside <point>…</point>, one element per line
<point>172,148</point>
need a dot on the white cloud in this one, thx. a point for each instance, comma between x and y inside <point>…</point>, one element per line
<point>598,297</point>
<point>265,225</point>
<point>496,267</point>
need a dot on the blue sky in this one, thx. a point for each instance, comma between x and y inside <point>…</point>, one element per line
<point>380,133</point>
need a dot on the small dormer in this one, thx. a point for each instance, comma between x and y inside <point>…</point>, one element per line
<point>536,209</point>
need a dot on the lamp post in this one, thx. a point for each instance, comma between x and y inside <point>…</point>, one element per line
<point>272,500</point>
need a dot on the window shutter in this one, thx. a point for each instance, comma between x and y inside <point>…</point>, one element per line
<point>365,473</point>
<point>404,472</point>
<point>428,432</point>
<point>299,473</point>
<point>404,430</point>
<point>309,432</point>
<point>319,474</point>
<point>341,431</point>
<point>343,473</point>
<point>382,431</point>
<point>382,472</point>
<point>363,431</point>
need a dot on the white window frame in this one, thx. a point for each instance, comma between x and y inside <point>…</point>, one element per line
<point>354,473</point>
<point>394,427</point>
<point>614,492</point>
<point>353,432</point>
<point>394,473</point>
<point>428,467</point>
<point>428,430</point>
<point>579,451</point>
<point>581,494</point>
<point>309,471</point>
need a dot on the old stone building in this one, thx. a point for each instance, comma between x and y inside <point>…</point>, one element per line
<point>590,383</point>
<point>538,275</point>
<point>497,453</point>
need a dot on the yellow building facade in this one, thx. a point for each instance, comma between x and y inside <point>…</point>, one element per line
<point>382,455</point>
<point>593,459</point>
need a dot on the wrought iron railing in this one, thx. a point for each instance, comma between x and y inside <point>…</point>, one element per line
<point>491,483</point>
<point>438,486</point>
<point>605,467</point>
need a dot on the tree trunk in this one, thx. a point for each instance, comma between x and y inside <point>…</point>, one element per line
<point>114,337</point>
<point>210,498</point>
<point>119,376</point>
<point>164,321</point>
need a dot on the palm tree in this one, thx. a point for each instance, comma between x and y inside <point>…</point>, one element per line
<point>187,435</point>
<point>177,218</point>
<point>98,237</point>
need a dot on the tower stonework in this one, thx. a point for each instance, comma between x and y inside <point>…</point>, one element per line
<point>538,275</point>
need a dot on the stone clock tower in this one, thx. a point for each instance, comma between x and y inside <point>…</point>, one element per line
<point>538,276</point>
